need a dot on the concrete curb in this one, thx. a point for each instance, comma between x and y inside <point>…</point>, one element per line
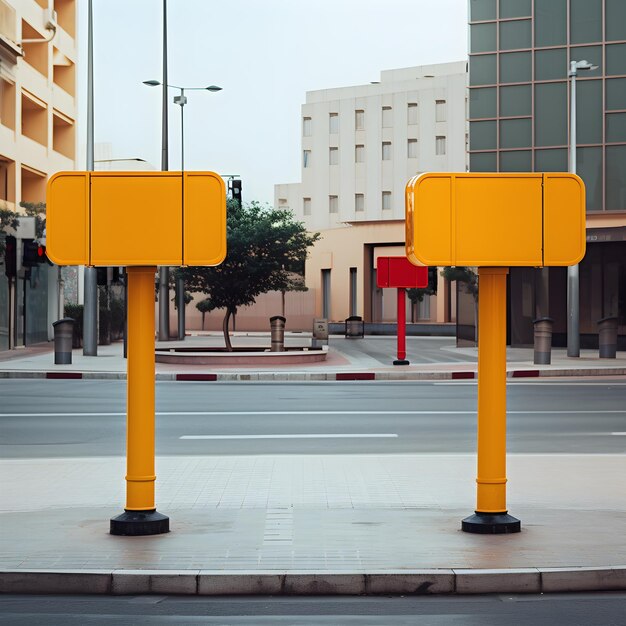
<point>219,582</point>
<point>316,376</point>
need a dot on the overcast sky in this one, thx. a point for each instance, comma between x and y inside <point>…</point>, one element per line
<point>265,54</point>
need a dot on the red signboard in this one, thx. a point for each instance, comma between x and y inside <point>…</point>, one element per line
<point>398,272</point>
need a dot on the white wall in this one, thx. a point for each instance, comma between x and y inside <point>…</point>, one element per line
<point>423,85</point>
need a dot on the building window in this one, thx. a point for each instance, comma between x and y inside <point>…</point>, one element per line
<point>63,134</point>
<point>440,110</point>
<point>411,113</point>
<point>306,158</point>
<point>440,145</point>
<point>326,293</point>
<point>7,104</point>
<point>282,203</point>
<point>333,156</point>
<point>386,200</point>
<point>333,204</point>
<point>307,126</point>
<point>333,123</point>
<point>353,291</point>
<point>306,206</point>
<point>359,153</point>
<point>387,117</point>
<point>34,118</point>
<point>359,202</point>
<point>412,149</point>
<point>386,150</point>
<point>359,119</point>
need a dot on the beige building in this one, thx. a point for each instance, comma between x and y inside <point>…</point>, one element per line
<point>360,146</point>
<point>37,138</point>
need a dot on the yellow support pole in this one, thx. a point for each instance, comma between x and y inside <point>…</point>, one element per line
<point>491,516</point>
<point>140,516</point>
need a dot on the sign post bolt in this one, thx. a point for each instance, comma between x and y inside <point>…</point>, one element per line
<point>491,516</point>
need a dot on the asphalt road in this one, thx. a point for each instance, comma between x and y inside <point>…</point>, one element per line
<point>492,610</point>
<point>46,419</point>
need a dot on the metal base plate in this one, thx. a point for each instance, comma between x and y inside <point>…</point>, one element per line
<point>401,362</point>
<point>139,523</point>
<point>491,523</point>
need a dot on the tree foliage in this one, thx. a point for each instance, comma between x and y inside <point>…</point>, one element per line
<point>38,211</point>
<point>417,294</point>
<point>8,219</point>
<point>205,306</point>
<point>465,275</point>
<point>264,248</point>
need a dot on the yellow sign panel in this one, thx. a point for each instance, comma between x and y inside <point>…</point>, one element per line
<point>136,218</point>
<point>495,220</point>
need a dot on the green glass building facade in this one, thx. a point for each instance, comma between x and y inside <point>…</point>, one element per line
<point>519,55</point>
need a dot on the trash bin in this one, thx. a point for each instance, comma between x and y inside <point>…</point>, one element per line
<point>320,333</point>
<point>607,337</point>
<point>543,340</point>
<point>354,326</point>
<point>63,332</point>
<point>277,324</point>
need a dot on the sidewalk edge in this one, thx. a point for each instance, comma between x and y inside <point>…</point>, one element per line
<point>250,582</point>
<point>315,376</point>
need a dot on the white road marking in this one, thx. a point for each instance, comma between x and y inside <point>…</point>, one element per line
<point>298,436</point>
<point>381,412</point>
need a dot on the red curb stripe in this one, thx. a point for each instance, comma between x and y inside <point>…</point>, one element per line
<point>196,376</point>
<point>460,375</point>
<point>525,374</point>
<point>58,375</point>
<point>356,376</point>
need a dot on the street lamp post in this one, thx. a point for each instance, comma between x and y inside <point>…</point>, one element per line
<point>181,100</point>
<point>573,298</point>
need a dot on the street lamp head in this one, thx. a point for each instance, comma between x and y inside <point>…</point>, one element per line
<point>213,88</point>
<point>151,83</point>
<point>585,65</point>
<point>581,65</point>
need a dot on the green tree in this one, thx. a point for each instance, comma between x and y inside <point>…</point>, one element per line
<point>38,211</point>
<point>263,245</point>
<point>464,275</point>
<point>205,306</point>
<point>469,279</point>
<point>8,219</point>
<point>417,294</point>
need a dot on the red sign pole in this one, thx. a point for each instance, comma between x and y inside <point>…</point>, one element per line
<point>401,360</point>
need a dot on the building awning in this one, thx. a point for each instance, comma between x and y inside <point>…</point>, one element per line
<point>9,50</point>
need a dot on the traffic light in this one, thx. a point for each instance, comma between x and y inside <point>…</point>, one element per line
<point>10,257</point>
<point>234,185</point>
<point>33,253</point>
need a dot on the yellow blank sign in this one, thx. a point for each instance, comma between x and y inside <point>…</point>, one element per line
<point>495,220</point>
<point>136,218</point>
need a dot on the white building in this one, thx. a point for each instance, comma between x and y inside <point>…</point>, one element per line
<point>360,146</point>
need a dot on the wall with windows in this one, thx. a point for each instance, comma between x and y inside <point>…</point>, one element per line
<point>519,108</point>
<point>37,138</point>
<point>361,144</point>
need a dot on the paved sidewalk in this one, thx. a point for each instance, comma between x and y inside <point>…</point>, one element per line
<point>315,524</point>
<point>368,358</point>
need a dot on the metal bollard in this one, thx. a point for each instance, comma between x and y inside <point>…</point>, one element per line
<point>607,337</point>
<point>63,331</point>
<point>543,340</point>
<point>277,324</point>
